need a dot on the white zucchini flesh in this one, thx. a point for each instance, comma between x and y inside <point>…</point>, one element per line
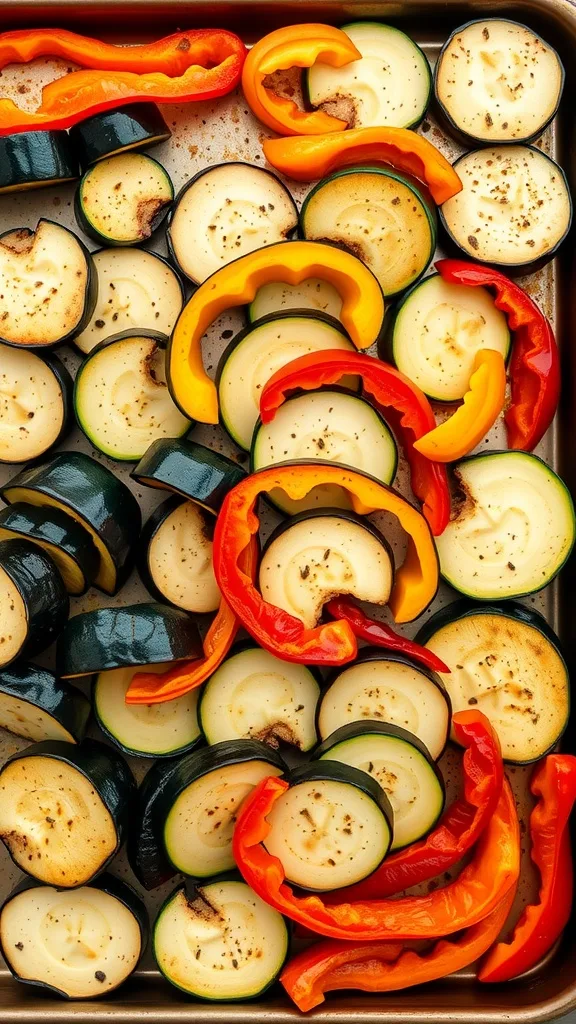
<point>136,290</point>
<point>512,530</point>
<point>387,691</point>
<point>319,558</point>
<point>31,405</point>
<point>53,821</point>
<point>312,293</point>
<point>13,619</point>
<point>498,81</point>
<point>25,719</point>
<point>199,826</point>
<point>180,560</point>
<point>122,195</point>
<point>84,943</point>
<point>222,943</point>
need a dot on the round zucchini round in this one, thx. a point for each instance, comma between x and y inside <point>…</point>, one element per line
<point>36,410</point>
<point>36,705</point>
<point>30,160</point>
<point>311,294</point>
<point>133,127</point>
<point>64,539</point>
<point>189,469</point>
<point>122,200</point>
<point>34,605</point>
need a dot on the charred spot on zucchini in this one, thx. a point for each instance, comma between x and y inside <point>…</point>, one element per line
<point>66,541</point>
<point>133,127</point>
<point>189,469</point>
<point>122,200</point>
<point>35,403</point>
<point>34,604</point>
<point>312,293</point>
<point>36,705</point>
<point>30,160</point>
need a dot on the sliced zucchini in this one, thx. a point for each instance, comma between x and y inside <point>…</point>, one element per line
<point>123,199</point>
<point>135,126</point>
<point>136,290</point>
<point>258,351</point>
<point>379,215</point>
<point>506,661</point>
<point>152,730</point>
<point>36,705</point>
<point>332,828</point>
<point>321,553</point>
<point>175,556</point>
<point>313,293</point>
<point>331,425</point>
<point>64,809</point>
<point>49,285</point>
<point>34,604</point>
<point>64,539</point>
<point>512,527</point>
<point>498,81</point>
<point>189,469</point>
<point>220,941</point>
<point>35,403</point>
<point>437,330</point>
<point>225,212</point>
<point>385,687</point>
<point>94,497</point>
<point>514,209</point>
<point>390,85</point>
<point>254,695</point>
<point>136,634</point>
<point>31,160</point>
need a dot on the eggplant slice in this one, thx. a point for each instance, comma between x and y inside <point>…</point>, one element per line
<point>189,469</point>
<point>34,605</point>
<point>35,403</point>
<point>36,705</point>
<point>68,544</point>
<point>31,160</point>
<point>133,127</point>
<point>123,199</point>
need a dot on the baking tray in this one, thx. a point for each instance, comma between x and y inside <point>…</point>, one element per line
<point>205,134</point>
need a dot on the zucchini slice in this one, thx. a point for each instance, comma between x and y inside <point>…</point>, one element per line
<point>175,556</point>
<point>136,634</point>
<point>34,605</point>
<point>49,286</point>
<point>79,944</point>
<point>512,527</point>
<point>332,828</point>
<point>153,730</point>
<point>390,85</point>
<point>89,493</point>
<point>36,705</point>
<point>136,126</point>
<point>385,687</point>
<point>189,469</point>
<point>313,293</point>
<point>76,797</point>
<point>65,540</point>
<point>332,425</point>
<point>437,330</point>
<point>30,160</point>
<point>497,81</point>
<point>505,660</point>
<point>314,556</point>
<point>379,215</point>
<point>514,209</point>
<point>35,403</point>
<point>225,212</point>
<point>123,199</point>
<point>258,351</point>
<point>245,951</point>
<point>254,695</point>
<point>136,290</point>
<point>121,399</point>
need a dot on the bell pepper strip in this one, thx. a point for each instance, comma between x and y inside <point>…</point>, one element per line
<point>481,406</point>
<point>481,886</point>
<point>197,65</point>
<point>393,392</point>
<point>381,635</point>
<point>294,46</point>
<point>307,157</point>
<point>554,784</point>
<point>534,368</point>
<point>236,285</point>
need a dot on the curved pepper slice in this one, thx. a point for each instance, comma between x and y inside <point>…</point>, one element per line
<point>297,46</point>
<point>308,158</point>
<point>403,401</point>
<point>237,283</point>
<point>381,635</point>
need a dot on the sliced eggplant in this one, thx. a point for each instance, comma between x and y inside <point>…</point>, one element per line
<point>30,160</point>
<point>512,526</point>
<point>506,661</point>
<point>135,126</point>
<point>514,209</point>
<point>258,351</point>
<point>64,539</point>
<point>89,493</point>
<point>189,469</point>
<point>36,705</point>
<point>49,285</point>
<point>121,399</point>
<point>220,941</point>
<point>312,293</point>
<point>254,695</point>
<point>225,212</point>
<point>390,85</point>
<point>136,634</point>
<point>64,809</point>
<point>34,605</point>
<point>35,403</point>
<point>123,199</point>
<point>332,828</point>
<point>379,215</point>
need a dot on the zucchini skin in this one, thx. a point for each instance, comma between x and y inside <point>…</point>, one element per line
<point>66,383</point>
<point>375,728</point>
<point>44,595</point>
<point>336,771</point>
<point>133,127</point>
<point>85,224</point>
<point>328,513</point>
<point>149,530</point>
<point>189,469</point>
<point>34,523</point>
<point>36,159</point>
<point>41,688</point>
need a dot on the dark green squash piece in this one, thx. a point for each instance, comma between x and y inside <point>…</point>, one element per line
<point>135,126</point>
<point>36,159</point>
<point>28,689</point>
<point>65,540</point>
<point>189,469</point>
<point>43,595</point>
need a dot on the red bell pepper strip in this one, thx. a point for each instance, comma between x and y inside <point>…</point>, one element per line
<point>534,369</point>
<point>554,783</point>
<point>392,391</point>
<point>381,635</point>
